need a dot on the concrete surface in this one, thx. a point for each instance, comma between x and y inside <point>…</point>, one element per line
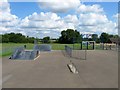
<point>50,70</point>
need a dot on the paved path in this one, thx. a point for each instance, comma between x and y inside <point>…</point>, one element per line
<point>50,71</point>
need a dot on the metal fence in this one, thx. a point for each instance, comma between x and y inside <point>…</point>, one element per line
<point>68,50</point>
<point>75,53</point>
<point>105,46</point>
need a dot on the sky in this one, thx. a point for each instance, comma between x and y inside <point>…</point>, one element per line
<point>49,18</point>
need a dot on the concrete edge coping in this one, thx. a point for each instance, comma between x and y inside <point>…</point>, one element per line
<point>72,68</point>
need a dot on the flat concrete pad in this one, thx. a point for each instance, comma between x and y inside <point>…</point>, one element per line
<point>100,69</point>
<point>50,70</point>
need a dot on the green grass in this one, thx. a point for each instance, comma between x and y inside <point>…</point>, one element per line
<point>6,54</point>
<point>59,46</point>
<point>8,48</point>
<point>6,45</point>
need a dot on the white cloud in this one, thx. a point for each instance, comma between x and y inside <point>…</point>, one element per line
<point>71,19</point>
<point>90,9</point>
<point>116,16</point>
<point>8,22</point>
<point>7,17</point>
<point>4,6</point>
<point>49,23</point>
<point>5,14</point>
<point>42,24</point>
<point>96,23</point>
<point>59,5</point>
<point>88,19</point>
<point>43,16</point>
<point>41,21</point>
<point>93,19</point>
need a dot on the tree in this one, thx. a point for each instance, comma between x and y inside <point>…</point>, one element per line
<point>94,37</point>
<point>5,38</point>
<point>31,39</point>
<point>116,36</point>
<point>16,38</point>
<point>46,39</point>
<point>70,36</point>
<point>0,38</point>
<point>104,38</point>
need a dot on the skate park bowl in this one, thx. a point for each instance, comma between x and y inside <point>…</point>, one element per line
<point>21,54</point>
<point>42,47</point>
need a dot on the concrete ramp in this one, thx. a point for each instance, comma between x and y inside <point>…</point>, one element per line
<point>17,52</point>
<point>22,54</point>
<point>42,47</point>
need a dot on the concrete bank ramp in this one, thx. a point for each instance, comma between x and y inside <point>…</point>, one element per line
<point>42,47</point>
<point>22,54</point>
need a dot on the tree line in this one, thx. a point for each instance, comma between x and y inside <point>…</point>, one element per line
<point>16,38</point>
<point>68,36</point>
<point>73,36</point>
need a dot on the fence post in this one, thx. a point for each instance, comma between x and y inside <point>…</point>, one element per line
<point>81,45</point>
<point>87,45</point>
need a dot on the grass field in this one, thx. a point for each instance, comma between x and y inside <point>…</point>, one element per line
<point>8,48</point>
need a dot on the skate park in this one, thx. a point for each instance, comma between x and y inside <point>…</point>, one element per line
<point>50,69</point>
<point>59,44</point>
<point>21,53</point>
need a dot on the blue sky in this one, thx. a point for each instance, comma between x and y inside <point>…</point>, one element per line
<point>50,18</point>
<point>23,9</point>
